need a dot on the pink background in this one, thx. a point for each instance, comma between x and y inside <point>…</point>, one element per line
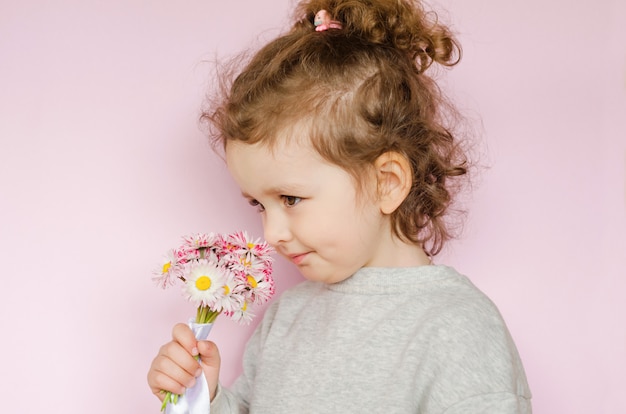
<point>103,167</point>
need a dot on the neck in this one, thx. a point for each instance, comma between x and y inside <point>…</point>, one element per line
<point>410,255</point>
<point>400,253</point>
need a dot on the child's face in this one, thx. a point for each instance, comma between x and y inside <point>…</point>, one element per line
<point>310,210</point>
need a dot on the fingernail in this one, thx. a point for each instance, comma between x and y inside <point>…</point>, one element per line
<point>194,351</point>
<point>191,383</point>
<point>198,372</point>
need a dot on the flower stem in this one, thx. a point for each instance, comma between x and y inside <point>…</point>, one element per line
<point>204,314</point>
<point>169,399</point>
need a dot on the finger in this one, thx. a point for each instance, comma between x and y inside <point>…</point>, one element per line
<point>180,357</point>
<point>210,361</point>
<point>209,353</point>
<point>166,384</point>
<point>182,334</point>
<point>166,374</point>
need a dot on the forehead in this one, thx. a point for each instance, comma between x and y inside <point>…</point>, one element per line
<point>281,142</point>
<point>259,169</point>
<point>280,153</point>
<point>258,160</point>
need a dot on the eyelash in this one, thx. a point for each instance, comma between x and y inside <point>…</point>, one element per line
<point>256,204</point>
<point>289,201</point>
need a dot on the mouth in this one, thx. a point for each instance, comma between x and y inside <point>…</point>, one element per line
<point>298,258</point>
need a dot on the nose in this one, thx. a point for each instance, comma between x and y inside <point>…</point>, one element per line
<point>276,228</point>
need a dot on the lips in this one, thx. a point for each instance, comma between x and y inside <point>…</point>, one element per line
<point>298,258</point>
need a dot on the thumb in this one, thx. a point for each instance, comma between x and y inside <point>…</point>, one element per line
<point>210,361</point>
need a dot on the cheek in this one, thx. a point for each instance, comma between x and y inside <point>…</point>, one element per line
<point>344,220</point>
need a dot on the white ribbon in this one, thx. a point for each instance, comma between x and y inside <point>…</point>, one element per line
<point>196,399</point>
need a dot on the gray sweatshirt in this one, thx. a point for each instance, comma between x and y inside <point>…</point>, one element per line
<point>386,340</point>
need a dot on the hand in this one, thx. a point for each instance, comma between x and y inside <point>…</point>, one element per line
<point>176,368</point>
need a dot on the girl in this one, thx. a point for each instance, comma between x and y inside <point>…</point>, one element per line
<point>338,137</point>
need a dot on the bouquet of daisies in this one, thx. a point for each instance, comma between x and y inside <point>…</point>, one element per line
<point>221,273</point>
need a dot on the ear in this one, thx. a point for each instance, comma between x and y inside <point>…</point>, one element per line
<point>394,178</point>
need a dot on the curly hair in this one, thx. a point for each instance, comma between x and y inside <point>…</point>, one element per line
<point>360,91</point>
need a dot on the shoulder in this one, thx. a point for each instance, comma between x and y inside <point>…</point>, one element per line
<point>458,312</point>
<point>453,297</point>
<point>469,344</point>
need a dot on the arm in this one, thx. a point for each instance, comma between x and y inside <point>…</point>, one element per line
<point>237,398</point>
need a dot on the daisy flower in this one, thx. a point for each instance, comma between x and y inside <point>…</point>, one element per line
<point>259,290</point>
<point>243,314</point>
<point>240,240</point>
<point>204,281</point>
<point>167,272</point>
<point>249,264</point>
<point>242,243</point>
<point>185,255</point>
<point>231,299</point>
<point>263,251</point>
<point>252,257</point>
<point>199,240</point>
<point>222,273</point>
<point>198,246</point>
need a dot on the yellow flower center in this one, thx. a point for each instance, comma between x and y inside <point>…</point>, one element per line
<point>166,267</point>
<point>245,262</point>
<point>245,306</point>
<point>226,290</point>
<point>252,282</point>
<point>203,282</point>
<point>250,246</point>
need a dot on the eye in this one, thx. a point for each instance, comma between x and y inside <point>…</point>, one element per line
<point>256,204</point>
<point>291,201</point>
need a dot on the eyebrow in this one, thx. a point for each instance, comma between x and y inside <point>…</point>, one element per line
<point>284,190</point>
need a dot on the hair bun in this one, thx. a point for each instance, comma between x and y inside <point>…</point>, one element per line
<point>401,24</point>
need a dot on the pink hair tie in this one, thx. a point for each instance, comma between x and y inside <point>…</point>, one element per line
<point>324,22</point>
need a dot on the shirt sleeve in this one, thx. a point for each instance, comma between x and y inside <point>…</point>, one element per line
<point>227,402</point>
<point>236,399</point>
